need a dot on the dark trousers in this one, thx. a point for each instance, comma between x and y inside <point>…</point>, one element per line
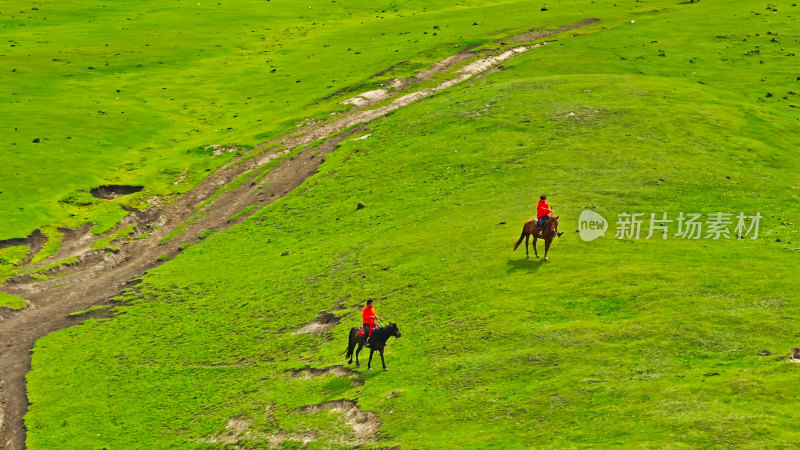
<point>540,222</point>
<point>366,330</point>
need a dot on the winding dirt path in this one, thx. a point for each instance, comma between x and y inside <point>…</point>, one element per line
<point>98,277</point>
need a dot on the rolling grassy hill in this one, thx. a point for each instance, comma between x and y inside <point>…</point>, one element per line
<point>133,93</point>
<point>140,94</point>
<point>665,107</point>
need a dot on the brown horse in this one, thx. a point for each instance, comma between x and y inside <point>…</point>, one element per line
<point>550,232</point>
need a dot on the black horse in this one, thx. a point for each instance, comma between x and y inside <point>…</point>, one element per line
<point>376,342</point>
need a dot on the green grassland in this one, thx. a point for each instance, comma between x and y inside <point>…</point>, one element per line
<point>651,343</point>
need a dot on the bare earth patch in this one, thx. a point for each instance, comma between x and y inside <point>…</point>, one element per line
<point>276,440</point>
<point>2,407</point>
<point>237,429</point>
<point>369,97</point>
<point>365,424</point>
<point>222,149</point>
<point>74,241</point>
<point>234,431</point>
<point>324,322</point>
<point>35,241</point>
<point>312,372</point>
<point>533,35</point>
<point>112,191</point>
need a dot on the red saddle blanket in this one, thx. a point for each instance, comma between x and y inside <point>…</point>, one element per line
<point>361,330</point>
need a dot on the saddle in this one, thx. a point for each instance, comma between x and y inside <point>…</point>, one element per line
<point>361,330</point>
<point>545,221</point>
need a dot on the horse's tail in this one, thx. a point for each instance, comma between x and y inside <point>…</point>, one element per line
<point>521,237</point>
<point>350,346</point>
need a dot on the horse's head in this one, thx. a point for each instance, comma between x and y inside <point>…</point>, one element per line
<point>554,224</point>
<point>395,330</point>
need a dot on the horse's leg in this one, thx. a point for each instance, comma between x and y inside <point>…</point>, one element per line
<point>369,364</point>
<point>358,350</point>
<point>535,251</point>
<point>383,361</point>
<point>547,248</point>
<point>527,254</point>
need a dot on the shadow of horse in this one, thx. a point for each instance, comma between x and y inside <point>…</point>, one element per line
<point>516,265</point>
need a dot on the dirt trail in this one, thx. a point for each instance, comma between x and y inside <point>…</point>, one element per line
<point>97,276</point>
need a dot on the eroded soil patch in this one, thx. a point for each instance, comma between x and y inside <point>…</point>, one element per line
<point>222,149</point>
<point>533,34</point>
<point>112,191</point>
<point>235,428</point>
<point>312,372</point>
<point>74,241</point>
<point>35,241</point>
<point>365,424</point>
<point>324,322</point>
<point>276,440</point>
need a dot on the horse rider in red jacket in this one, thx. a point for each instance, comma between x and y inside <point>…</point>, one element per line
<point>368,316</point>
<point>543,212</point>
